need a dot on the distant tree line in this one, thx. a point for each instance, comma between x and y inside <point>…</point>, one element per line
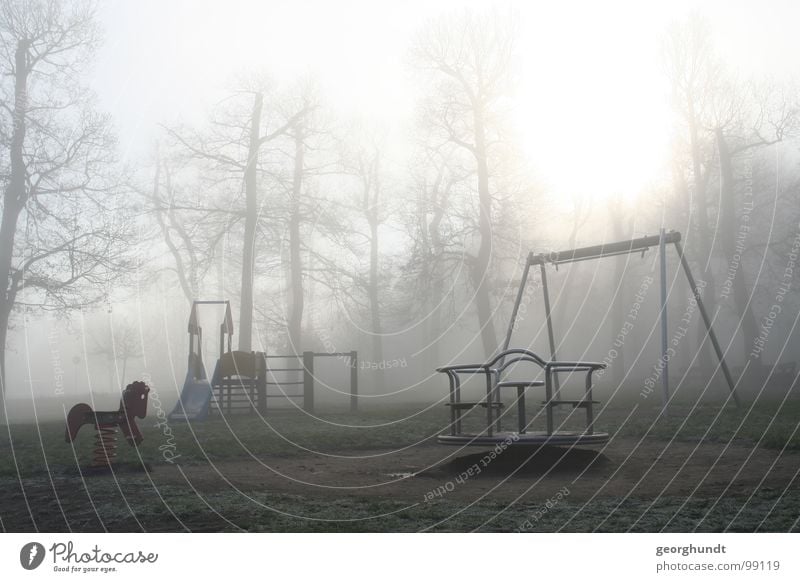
<point>299,215</point>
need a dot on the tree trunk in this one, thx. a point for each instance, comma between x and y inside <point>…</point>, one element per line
<point>3,334</point>
<point>374,306</point>
<point>295,258</point>
<point>620,287</point>
<point>13,202</point>
<point>433,328</point>
<point>480,270</point>
<point>566,295</point>
<point>433,274</point>
<point>741,296</point>
<point>681,301</point>
<point>221,269</point>
<point>709,293</point>
<point>189,288</point>
<point>251,218</point>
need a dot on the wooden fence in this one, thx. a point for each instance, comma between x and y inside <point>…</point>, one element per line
<point>247,395</point>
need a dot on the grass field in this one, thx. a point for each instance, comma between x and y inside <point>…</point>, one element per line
<point>702,469</point>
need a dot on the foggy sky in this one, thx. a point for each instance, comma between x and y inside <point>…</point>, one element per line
<point>589,74</point>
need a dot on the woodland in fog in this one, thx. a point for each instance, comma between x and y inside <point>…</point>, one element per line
<point>331,232</point>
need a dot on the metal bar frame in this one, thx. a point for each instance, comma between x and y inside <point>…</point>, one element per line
<point>608,250</point>
<point>707,321</point>
<point>662,258</point>
<point>513,321</point>
<point>548,315</point>
<point>605,250</point>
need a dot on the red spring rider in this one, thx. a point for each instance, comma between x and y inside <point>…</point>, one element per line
<point>132,405</point>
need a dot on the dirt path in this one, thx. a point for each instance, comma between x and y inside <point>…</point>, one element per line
<point>643,470</point>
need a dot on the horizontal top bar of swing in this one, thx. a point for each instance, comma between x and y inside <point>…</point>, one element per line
<point>604,250</point>
<point>316,355</point>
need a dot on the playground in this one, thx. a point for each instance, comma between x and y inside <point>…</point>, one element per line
<point>360,267</point>
<point>695,470</point>
<point>519,442</point>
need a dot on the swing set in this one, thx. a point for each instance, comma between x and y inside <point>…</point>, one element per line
<point>495,371</point>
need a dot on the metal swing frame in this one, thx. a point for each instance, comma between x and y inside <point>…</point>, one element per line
<point>642,245</point>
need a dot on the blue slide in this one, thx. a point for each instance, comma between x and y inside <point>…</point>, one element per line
<point>196,394</point>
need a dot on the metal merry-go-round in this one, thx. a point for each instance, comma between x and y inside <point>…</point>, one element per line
<point>496,372</point>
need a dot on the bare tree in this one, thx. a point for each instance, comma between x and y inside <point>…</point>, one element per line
<point>622,227</point>
<point>725,119</point>
<point>694,73</point>
<point>121,343</point>
<point>63,231</point>
<point>580,214</point>
<point>745,118</point>
<point>469,60</point>
<point>304,132</point>
<point>187,228</point>
<point>436,237</point>
<point>363,162</point>
<point>232,148</point>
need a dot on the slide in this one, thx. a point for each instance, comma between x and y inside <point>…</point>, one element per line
<point>196,395</point>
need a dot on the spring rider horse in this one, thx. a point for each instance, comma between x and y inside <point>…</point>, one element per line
<point>132,405</point>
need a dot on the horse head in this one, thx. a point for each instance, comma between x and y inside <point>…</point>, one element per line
<point>134,399</point>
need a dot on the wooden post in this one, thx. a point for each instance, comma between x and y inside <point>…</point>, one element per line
<point>261,382</point>
<point>353,381</point>
<point>308,381</point>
